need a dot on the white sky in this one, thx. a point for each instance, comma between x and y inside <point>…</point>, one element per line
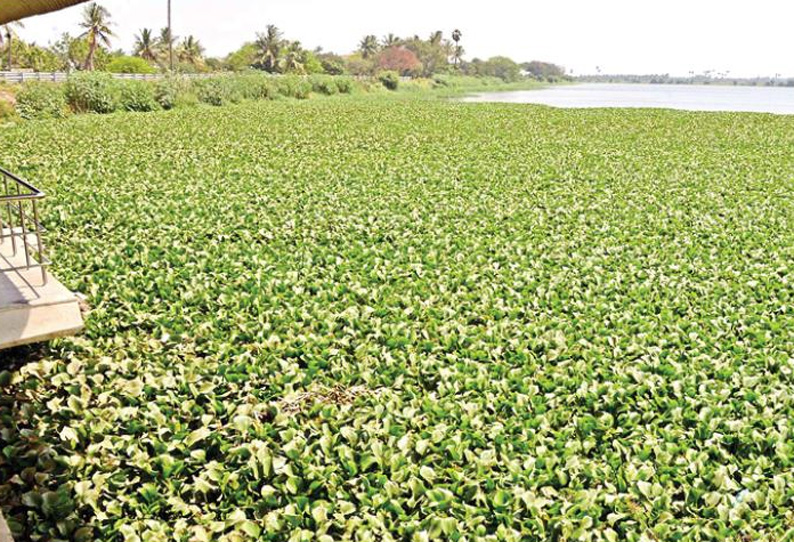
<point>745,37</point>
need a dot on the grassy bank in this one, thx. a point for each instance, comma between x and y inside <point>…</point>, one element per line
<point>453,87</point>
<point>102,94</point>
<point>396,319</point>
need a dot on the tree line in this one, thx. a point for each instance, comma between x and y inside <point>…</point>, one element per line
<point>269,51</point>
<point>708,77</point>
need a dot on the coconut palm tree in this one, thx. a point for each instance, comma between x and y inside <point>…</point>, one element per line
<point>390,40</point>
<point>269,46</point>
<point>96,21</point>
<point>191,51</point>
<point>165,44</point>
<point>171,41</point>
<point>8,34</point>
<point>294,58</point>
<point>369,46</point>
<point>457,52</point>
<point>457,55</point>
<point>146,45</point>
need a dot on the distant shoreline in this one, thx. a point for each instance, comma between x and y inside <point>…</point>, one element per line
<point>784,82</point>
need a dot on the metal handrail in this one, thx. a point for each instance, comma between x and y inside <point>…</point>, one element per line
<point>18,226</point>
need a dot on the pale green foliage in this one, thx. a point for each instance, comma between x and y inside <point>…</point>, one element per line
<point>89,92</point>
<point>410,320</point>
<point>130,64</point>
<point>167,91</point>
<point>138,96</point>
<point>41,101</point>
<point>389,79</point>
<point>502,67</point>
<point>324,84</point>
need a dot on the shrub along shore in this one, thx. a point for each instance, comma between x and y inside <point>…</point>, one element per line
<point>101,93</point>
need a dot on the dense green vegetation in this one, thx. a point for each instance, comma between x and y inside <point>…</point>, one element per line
<point>348,319</point>
<point>97,92</point>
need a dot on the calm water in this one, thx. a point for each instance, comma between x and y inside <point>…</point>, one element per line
<point>687,97</point>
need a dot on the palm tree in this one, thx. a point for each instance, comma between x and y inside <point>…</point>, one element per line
<point>294,58</point>
<point>436,37</point>
<point>146,45</point>
<point>164,46</point>
<point>269,45</point>
<point>369,46</point>
<point>390,40</point>
<point>8,33</point>
<point>171,40</point>
<point>457,53</point>
<point>96,21</point>
<point>191,51</point>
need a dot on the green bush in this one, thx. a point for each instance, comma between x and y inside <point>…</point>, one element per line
<point>417,86</point>
<point>41,101</point>
<point>210,92</point>
<point>130,64</point>
<point>233,89</point>
<point>255,86</point>
<point>138,96</point>
<point>294,86</point>
<point>92,92</point>
<point>345,84</point>
<point>389,79</point>
<point>187,68</point>
<point>323,84</point>
<point>218,91</point>
<point>167,91</point>
<point>188,98</point>
<point>370,86</point>
<point>443,80</point>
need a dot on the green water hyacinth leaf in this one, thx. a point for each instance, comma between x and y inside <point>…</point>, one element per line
<point>399,318</point>
<point>427,473</point>
<point>197,436</point>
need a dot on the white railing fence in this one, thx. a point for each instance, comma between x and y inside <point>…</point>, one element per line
<point>60,77</point>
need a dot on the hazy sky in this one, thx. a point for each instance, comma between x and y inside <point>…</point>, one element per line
<point>747,38</point>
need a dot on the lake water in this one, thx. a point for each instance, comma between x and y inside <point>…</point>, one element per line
<point>687,97</point>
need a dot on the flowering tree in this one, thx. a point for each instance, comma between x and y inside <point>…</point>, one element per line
<point>399,59</point>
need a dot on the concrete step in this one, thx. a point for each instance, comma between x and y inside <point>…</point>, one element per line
<point>32,309</point>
